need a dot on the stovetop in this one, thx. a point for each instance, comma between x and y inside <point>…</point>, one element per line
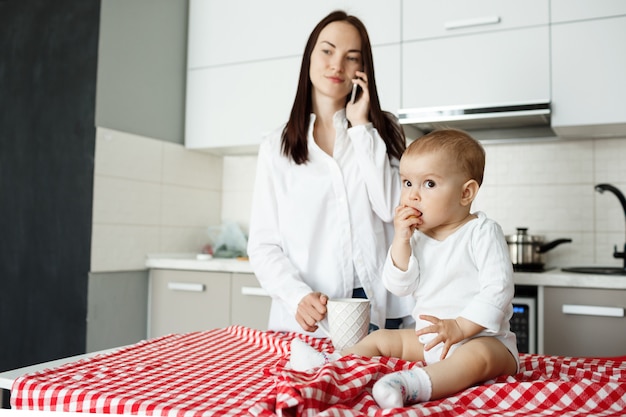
<point>531,268</point>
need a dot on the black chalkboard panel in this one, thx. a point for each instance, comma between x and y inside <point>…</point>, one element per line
<point>48,62</point>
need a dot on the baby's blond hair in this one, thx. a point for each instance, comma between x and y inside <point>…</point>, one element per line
<point>467,152</point>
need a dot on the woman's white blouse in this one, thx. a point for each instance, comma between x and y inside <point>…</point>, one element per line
<point>315,225</point>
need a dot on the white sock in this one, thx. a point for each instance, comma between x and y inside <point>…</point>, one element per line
<point>403,387</point>
<point>304,357</point>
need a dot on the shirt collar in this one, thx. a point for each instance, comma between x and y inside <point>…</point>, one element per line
<point>339,119</point>
<point>341,125</point>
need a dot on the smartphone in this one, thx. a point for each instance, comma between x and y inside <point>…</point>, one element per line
<point>355,92</point>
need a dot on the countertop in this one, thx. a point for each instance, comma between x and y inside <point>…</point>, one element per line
<point>190,262</point>
<point>552,277</point>
<point>557,278</point>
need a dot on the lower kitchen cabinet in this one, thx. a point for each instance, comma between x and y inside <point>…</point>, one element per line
<point>250,305</point>
<point>185,301</point>
<point>584,322</point>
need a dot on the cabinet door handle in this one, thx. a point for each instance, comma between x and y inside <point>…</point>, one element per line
<point>468,23</point>
<point>584,310</point>
<point>254,291</point>
<point>185,286</point>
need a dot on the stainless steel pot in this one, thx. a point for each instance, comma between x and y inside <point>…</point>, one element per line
<point>527,251</point>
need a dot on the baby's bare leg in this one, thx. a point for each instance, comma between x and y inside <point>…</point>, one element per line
<point>402,343</point>
<point>395,343</point>
<point>476,361</point>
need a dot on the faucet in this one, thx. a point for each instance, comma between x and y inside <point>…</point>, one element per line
<point>608,187</point>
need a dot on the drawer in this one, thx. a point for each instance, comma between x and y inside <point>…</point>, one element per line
<point>422,19</point>
<point>584,322</point>
<point>187,301</point>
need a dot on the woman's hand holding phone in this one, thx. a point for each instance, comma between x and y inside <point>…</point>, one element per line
<point>357,108</point>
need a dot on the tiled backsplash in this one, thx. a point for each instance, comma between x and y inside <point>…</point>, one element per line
<point>547,187</point>
<point>150,196</point>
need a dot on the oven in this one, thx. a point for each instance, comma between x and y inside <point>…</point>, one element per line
<point>524,323</point>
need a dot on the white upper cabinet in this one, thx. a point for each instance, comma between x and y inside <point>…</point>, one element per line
<point>462,53</point>
<point>244,61</point>
<point>225,32</point>
<point>423,19</point>
<point>231,107</point>
<point>571,10</point>
<point>588,77</point>
<point>387,71</point>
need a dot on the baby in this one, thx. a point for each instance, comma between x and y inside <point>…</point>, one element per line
<point>456,265</point>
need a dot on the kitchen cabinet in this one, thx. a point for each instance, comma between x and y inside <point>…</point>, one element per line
<point>184,301</point>
<point>584,322</point>
<point>427,54</point>
<point>223,33</point>
<point>116,309</point>
<point>571,10</point>
<point>588,83</point>
<point>388,79</point>
<point>483,53</point>
<point>424,19</point>
<point>250,304</point>
<point>240,87</point>
<point>230,108</point>
<point>478,69</point>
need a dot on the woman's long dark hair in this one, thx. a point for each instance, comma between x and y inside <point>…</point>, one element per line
<point>294,137</point>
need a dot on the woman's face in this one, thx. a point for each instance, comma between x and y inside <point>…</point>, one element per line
<point>335,59</point>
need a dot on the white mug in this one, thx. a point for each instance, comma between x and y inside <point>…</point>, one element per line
<point>348,321</point>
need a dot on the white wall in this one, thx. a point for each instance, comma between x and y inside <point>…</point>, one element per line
<point>547,187</point>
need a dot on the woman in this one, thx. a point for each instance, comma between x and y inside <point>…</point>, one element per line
<point>326,187</point>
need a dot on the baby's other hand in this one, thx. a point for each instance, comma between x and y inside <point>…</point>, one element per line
<point>448,332</point>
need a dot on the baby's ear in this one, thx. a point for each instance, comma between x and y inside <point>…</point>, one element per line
<point>470,189</point>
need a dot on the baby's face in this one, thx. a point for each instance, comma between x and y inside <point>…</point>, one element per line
<point>433,185</point>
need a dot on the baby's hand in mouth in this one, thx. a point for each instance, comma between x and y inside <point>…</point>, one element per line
<point>417,219</point>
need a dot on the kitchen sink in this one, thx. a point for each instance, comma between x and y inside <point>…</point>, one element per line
<point>600,270</point>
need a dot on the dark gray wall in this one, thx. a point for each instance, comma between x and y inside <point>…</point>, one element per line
<point>48,58</point>
<point>142,68</point>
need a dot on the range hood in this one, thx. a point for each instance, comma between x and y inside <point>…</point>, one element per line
<point>506,123</point>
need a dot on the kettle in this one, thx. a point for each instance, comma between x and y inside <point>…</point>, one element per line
<point>527,252</point>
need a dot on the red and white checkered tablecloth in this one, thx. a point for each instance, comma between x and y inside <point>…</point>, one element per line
<point>217,372</point>
<point>240,371</point>
<point>545,386</point>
